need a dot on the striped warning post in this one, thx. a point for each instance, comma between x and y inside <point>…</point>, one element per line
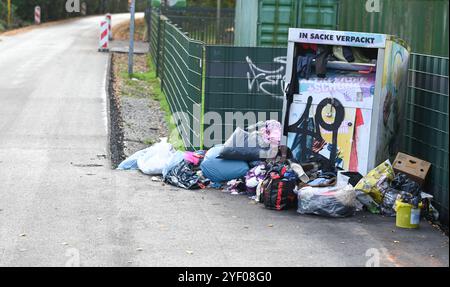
<point>83,8</point>
<point>109,19</point>
<point>37,15</point>
<point>104,41</point>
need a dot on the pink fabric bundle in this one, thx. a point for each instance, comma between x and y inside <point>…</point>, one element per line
<point>271,133</point>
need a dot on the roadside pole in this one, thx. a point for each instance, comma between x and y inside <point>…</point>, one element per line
<point>9,13</point>
<point>131,50</point>
<point>218,16</point>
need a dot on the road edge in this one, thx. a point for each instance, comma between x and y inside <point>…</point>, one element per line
<point>114,120</point>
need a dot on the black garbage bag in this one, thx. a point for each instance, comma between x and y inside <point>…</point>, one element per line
<point>410,191</point>
<point>389,198</point>
<point>247,146</point>
<point>184,175</point>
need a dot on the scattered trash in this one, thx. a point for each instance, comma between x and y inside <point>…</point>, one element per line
<point>190,252</point>
<point>22,235</point>
<point>371,184</point>
<point>414,168</point>
<point>253,163</point>
<point>139,249</point>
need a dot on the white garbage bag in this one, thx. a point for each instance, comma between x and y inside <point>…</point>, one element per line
<point>155,159</point>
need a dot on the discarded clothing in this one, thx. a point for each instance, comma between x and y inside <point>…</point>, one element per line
<point>298,169</point>
<point>194,157</point>
<point>254,177</point>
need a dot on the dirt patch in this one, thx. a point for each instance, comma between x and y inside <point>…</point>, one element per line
<point>121,31</point>
<point>140,118</point>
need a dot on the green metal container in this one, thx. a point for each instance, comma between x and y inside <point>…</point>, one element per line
<point>277,16</point>
<point>421,23</point>
<point>266,22</point>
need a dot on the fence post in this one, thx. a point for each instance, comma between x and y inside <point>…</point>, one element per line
<point>162,51</point>
<point>158,43</point>
<point>203,85</point>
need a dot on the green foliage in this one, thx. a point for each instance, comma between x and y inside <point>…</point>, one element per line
<point>211,3</point>
<point>56,9</point>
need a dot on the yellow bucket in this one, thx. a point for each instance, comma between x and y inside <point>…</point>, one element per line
<point>407,215</point>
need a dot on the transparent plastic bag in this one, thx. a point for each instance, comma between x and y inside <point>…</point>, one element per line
<point>327,201</point>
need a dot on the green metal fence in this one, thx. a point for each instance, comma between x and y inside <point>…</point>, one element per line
<point>241,80</point>
<point>426,119</point>
<point>178,60</point>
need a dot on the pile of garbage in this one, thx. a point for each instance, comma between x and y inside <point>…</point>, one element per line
<point>252,162</point>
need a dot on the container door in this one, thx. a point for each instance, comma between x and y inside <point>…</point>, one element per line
<point>274,20</point>
<point>318,14</point>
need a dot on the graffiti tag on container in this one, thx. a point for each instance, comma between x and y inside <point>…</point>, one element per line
<point>266,81</point>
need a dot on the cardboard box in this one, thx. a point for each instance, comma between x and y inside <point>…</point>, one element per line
<point>414,168</point>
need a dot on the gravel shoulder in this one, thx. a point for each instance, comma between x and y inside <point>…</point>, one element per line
<point>142,119</point>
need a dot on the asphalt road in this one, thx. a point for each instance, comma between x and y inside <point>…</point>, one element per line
<point>61,204</point>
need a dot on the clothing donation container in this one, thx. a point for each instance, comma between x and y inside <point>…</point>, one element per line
<point>345,93</point>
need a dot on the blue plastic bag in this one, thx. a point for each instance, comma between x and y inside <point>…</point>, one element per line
<point>222,170</point>
<point>131,162</point>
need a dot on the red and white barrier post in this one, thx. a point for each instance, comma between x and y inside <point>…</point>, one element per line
<point>83,8</point>
<point>37,15</point>
<point>109,19</point>
<point>104,40</point>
